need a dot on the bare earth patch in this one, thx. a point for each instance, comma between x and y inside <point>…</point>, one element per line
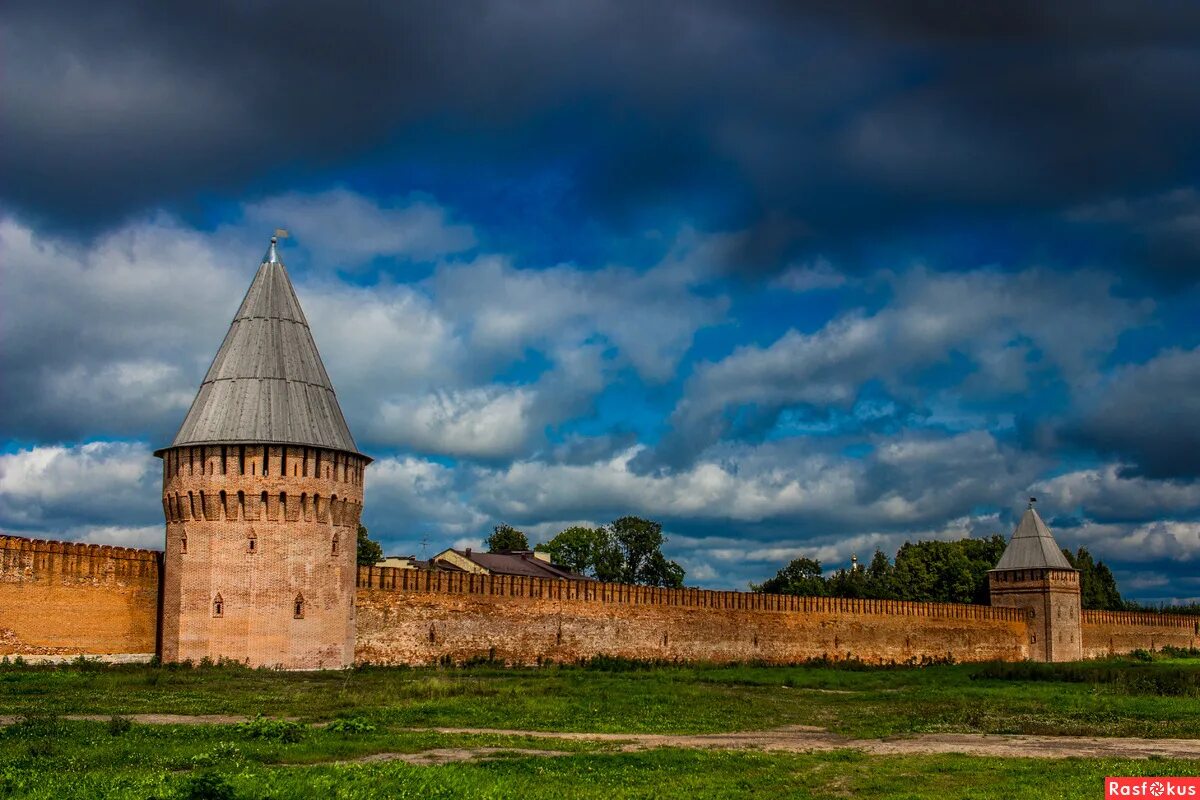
<point>803,739</point>
<point>449,755</point>
<point>790,739</point>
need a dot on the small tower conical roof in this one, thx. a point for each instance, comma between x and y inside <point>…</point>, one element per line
<point>1032,546</point>
<point>267,383</point>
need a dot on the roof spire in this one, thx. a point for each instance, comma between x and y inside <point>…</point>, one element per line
<point>267,382</point>
<point>1032,546</point>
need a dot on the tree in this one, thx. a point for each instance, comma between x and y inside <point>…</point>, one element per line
<point>640,542</point>
<point>369,552</point>
<point>802,576</point>
<point>935,571</point>
<point>627,551</point>
<point>947,572</point>
<point>577,548</point>
<point>506,537</point>
<point>880,577</point>
<point>1097,586</point>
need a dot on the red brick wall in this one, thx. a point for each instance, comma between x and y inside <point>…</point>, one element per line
<point>1116,632</point>
<point>410,617</point>
<point>213,500</point>
<point>60,598</point>
<point>1051,598</point>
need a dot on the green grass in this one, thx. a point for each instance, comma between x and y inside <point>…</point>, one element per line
<point>231,771</point>
<point>1098,699</point>
<point>47,756</point>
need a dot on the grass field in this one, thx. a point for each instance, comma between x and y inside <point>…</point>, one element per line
<point>46,755</point>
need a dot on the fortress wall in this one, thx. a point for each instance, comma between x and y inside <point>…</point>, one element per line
<point>1117,632</point>
<point>64,599</point>
<point>412,617</point>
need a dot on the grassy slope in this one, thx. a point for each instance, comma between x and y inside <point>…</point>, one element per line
<point>85,761</point>
<point>47,757</point>
<point>669,699</point>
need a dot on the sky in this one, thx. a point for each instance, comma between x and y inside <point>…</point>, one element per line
<point>806,278</point>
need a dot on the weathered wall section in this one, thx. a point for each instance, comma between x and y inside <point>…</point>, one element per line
<point>1108,633</point>
<point>411,617</point>
<point>61,598</point>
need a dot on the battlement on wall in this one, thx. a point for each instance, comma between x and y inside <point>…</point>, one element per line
<point>1141,618</point>
<point>433,582</point>
<point>77,549</point>
<point>68,598</point>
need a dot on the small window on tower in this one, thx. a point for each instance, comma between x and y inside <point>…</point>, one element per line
<point>335,544</point>
<point>218,606</point>
<point>252,543</point>
<point>298,607</point>
<point>183,544</point>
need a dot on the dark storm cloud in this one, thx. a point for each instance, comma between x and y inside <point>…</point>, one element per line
<point>1146,415</point>
<point>814,124</point>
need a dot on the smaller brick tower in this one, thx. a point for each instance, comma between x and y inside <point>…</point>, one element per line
<point>262,491</point>
<point>1034,575</point>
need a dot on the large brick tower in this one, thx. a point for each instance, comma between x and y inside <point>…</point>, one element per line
<point>262,491</point>
<point>1033,574</point>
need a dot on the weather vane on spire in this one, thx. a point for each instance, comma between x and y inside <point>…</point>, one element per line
<point>272,256</point>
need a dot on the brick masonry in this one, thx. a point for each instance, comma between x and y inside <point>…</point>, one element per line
<point>261,554</point>
<point>411,617</point>
<point>1107,633</point>
<point>60,598</point>
<point>1050,598</point>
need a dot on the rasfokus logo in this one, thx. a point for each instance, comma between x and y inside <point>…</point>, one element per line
<point>1151,787</point>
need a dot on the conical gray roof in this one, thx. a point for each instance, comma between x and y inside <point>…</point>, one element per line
<point>267,382</point>
<point>1032,546</point>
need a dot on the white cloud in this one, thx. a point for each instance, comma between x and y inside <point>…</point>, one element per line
<point>986,316</point>
<point>1108,492</point>
<point>64,492</point>
<point>343,229</point>
<point>483,422</point>
<point>809,277</point>
<point>908,481</point>
<point>123,329</point>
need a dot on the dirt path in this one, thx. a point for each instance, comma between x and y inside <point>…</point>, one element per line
<point>791,739</point>
<point>448,755</point>
<point>802,739</point>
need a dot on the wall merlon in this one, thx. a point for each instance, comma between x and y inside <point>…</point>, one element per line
<point>78,549</point>
<point>435,582</point>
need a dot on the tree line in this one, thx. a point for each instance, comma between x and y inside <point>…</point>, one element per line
<point>934,571</point>
<point>627,550</point>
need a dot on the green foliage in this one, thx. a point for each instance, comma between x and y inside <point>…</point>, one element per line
<point>506,537</point>
<point>369,552</point>
<point>277,730</point>
<point>802,576</point>
<point>1135,675</point>
<point>118,725</point>
<point>350,725</point>
<point>206,785</point>
<point>579,549</point>
<point>640,542</point>
<point>934,571</point>
<point>627,551</point>
<point>1097,586</point>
